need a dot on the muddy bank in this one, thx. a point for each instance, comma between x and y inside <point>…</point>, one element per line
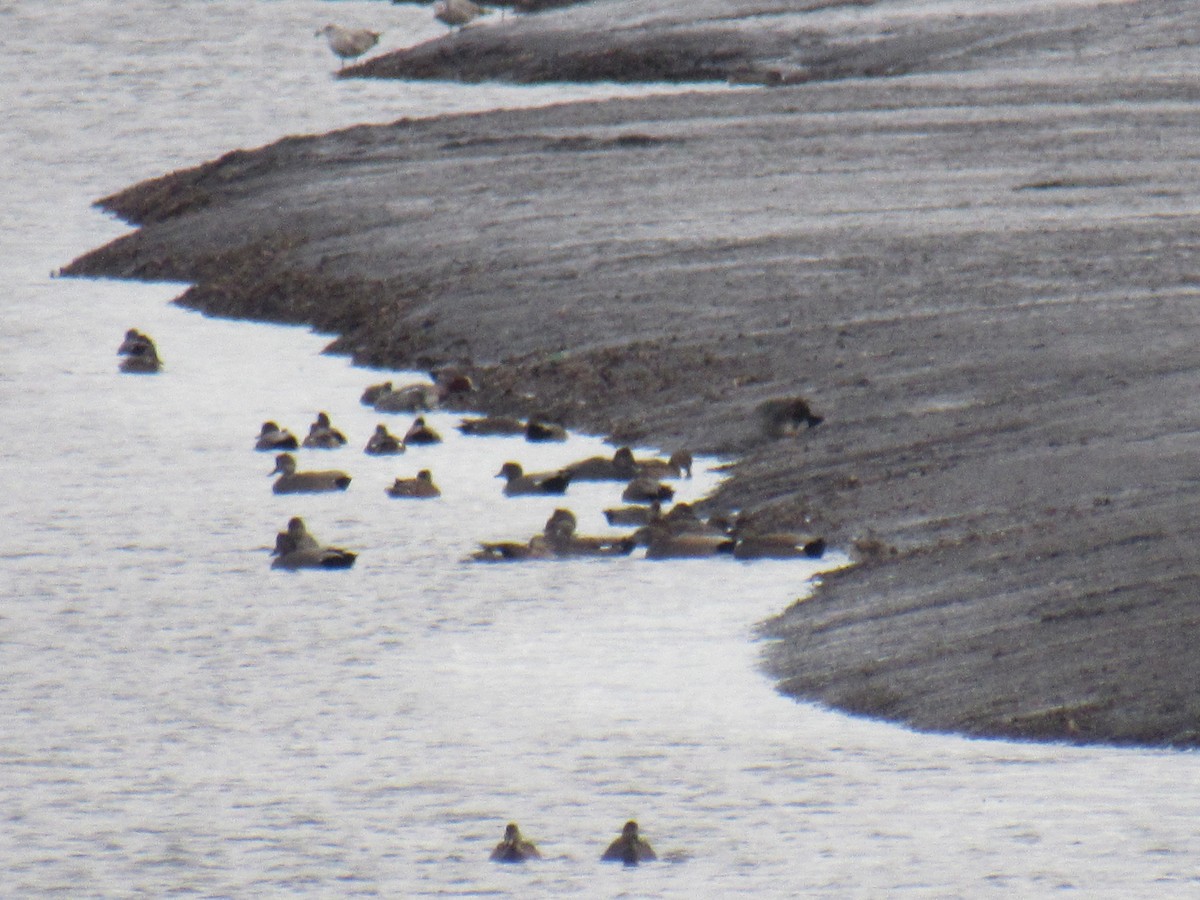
<point>985,281</point>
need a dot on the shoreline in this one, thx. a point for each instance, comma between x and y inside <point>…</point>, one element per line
<point>991,310</point>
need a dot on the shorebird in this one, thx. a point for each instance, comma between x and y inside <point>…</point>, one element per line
<point>348,43</point>
<point>457,13</point>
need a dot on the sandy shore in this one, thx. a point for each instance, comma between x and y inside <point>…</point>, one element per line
<point>983,274</point>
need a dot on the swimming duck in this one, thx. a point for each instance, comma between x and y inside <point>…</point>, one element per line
<point>620,467</point>
<point>420,433</point>
<point>629,848</point>
<point>383,443</point>
<point>292,482</point>
<point>492,426</point>
<point>623,516</point>
<point>322,435</point>
<point>421,487</point>
<point>517,482</point>
<point>419,396</point>
<point>779,545</point>
<point>559,532</point>
<point>514,848</point>
<point>272,437</point>
<point>544,432</point>
<point>646,490</point>
<point>783,416</point>
<point>348,43</point>
<point>297,549</point>
<point>677,466</point>
<point>682,538</point>
<point>141,356</point>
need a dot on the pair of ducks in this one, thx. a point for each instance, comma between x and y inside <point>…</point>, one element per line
<point>641,476</point>
<point>418,397</point>
<point>291,481</point>
<point>321,436</point>
<point>630,848</point>
<point>535,431</point>
<point>140,354</point>
<point>558,540</point>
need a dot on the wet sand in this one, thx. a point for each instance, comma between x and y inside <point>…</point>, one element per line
<point>979,264</point>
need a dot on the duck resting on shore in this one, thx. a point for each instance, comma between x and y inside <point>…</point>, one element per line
<point>492,426</point>
<point>417,397</point>
<point>783,416</point>
<point>297,549</point>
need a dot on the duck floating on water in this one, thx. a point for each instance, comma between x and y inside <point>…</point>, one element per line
<point>322,435</point>
<point>272,437</point>
<point>630,848</point>
<point>492,426</point>
<point>517,483</point>
<point>421,433</point>
<point>421,487</point>
<point>647,490</point>
<point>514,848</point>
<point>140,354</point>
<point>417,397</point>
<point>297,549</point>
<point>292,482</point>
<point>383,443</point>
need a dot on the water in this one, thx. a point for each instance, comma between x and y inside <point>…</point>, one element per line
<point>181,719</point>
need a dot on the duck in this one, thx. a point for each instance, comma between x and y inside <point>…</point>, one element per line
<point>514,848</point>
<point>779,545</point>
<point>141,356</point>
<point>292,482</point>
<point>297,549</point>
<point>420,433</point>
<point>625,516</point>
<point>682,537</point>
<point>559,532</point>
<point>492,426</point>
<point>678,465</point>
<point>322,435</point>
<point>646,490</point>
<point>630,848</point>
<point>619,467</point>
<point>420,487</point>
<point>538,432</point>
<point>383,443</point>
<point>517,482</point>
<point>417,397</point>
<point>272,437</point>
<point>457,13</point>
<point>348,43</point>
<point>783,416</point>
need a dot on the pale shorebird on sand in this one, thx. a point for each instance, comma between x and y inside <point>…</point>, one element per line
<point>457,13</point>
<point>348,43</point>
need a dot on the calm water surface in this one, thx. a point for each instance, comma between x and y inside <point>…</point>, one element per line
<point>180,719</point>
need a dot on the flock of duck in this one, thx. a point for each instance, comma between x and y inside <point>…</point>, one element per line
<point>665,531</point>
<point>677,532</point>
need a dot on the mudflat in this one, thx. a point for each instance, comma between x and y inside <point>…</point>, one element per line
<point>969,239</point>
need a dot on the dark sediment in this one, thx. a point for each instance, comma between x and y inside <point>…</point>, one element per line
<point>985,282</point>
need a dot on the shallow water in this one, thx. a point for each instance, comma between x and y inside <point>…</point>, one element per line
<point>181,719</point>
